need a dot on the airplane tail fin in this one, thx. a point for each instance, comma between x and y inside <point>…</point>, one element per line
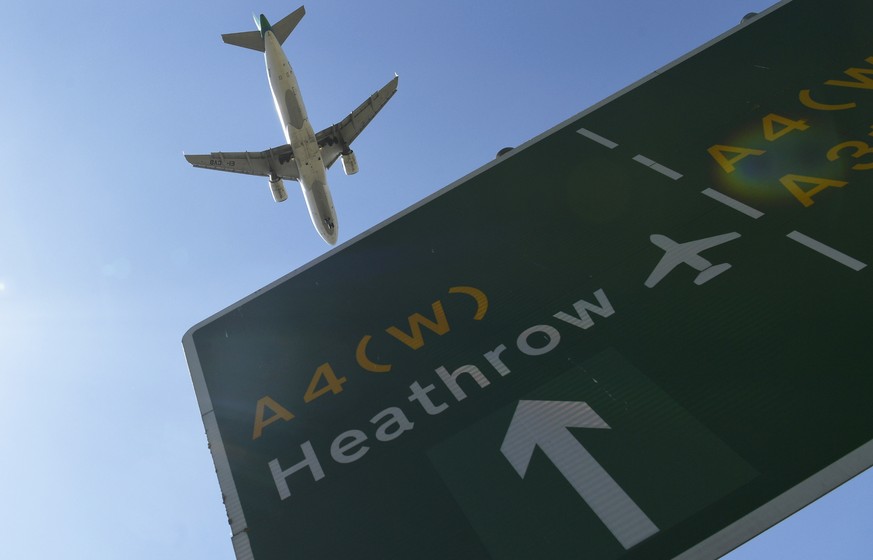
<point>255,39</point>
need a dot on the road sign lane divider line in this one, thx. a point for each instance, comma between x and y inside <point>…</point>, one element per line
<point>655,166</point>
<point>733,203</point>
<point>597,138</point>
<point>827,251</point>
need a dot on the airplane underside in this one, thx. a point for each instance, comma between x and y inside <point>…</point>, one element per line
<point>306,156</point>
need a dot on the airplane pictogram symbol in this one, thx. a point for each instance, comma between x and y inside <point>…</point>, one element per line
<point>688,253</point>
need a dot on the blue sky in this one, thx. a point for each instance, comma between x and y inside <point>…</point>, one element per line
<point>113,246</point>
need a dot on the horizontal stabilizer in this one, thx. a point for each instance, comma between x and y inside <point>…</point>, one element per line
<point>284,28</point>
<point>255,39</point>
<point>247,39</point>
<point>337,138</point>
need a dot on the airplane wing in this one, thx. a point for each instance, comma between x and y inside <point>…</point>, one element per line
<point>704,244</point>
<point>337,138</point>
<point>277,161</point>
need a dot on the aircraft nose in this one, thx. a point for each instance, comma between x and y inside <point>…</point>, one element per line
<point>328,231</point>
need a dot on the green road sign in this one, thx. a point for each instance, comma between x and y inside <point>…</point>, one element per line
<point>644,334</point>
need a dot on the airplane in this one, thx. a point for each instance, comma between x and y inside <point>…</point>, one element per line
<point>305,156</point>
<point>688,253</point>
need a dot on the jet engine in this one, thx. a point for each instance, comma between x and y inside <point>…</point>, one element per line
<point>350,162</point>
<point>277,187</point>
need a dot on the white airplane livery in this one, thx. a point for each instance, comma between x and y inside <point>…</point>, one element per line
<point>306,155</point>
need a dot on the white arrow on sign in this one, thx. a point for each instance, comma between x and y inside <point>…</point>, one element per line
<point>544,424</point>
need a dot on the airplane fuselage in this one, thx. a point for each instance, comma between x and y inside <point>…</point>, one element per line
<point>300,135</point>
<point>306,155</point>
